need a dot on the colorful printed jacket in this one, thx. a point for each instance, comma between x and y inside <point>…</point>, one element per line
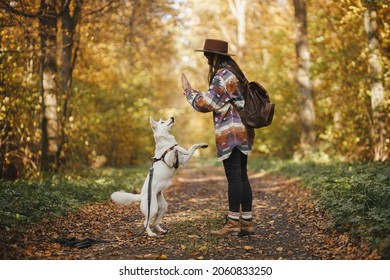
<point>230,132</point>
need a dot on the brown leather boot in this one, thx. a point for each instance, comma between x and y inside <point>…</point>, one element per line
<point>247,227</point>
<point>231,227</point>
<point>246,222</point>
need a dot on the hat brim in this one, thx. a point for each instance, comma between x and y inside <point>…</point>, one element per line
<point>208,51</point>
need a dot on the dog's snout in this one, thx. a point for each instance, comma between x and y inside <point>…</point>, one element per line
<point>173,119</point>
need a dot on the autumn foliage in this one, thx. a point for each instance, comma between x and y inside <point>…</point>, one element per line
<point>117,62</point>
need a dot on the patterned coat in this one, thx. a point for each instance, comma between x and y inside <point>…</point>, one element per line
<point>230,132</point>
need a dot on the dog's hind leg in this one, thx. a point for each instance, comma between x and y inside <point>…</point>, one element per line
<point>151,214</point>
<point>162,209</point>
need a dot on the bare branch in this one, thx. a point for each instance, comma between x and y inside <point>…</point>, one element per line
<point>101,9</point>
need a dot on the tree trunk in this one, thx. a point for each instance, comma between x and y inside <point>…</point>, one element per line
<point>48,73</point>
<point>238,9</point>
<point>307,113</point>
<point>69,54</point>
<point>379,118</point>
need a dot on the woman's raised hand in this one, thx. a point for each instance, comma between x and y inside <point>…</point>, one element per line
<point>185,83</point>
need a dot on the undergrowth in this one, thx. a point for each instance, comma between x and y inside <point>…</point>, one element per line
<point>355,196</point>
<point>25,202</point>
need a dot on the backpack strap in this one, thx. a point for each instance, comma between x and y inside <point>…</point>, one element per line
<point>243,80</point>
<point>245,83</point>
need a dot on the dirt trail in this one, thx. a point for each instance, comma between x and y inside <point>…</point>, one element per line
<point>288,226</point>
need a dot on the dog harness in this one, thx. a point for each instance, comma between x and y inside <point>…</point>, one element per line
<point>175,164</point>
<point>154,160</point>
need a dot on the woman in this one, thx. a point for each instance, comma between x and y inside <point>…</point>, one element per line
<point>233,139</point>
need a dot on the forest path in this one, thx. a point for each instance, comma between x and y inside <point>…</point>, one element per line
<point>288,226</point>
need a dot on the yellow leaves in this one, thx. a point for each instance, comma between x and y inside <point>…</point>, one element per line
<point>150,256</point>
<point>5,100</point>
<point>200,252</point>
<point>146,257</point>
<point>141,102</point>
<point>203,249</point>
<point>352,14</point>
<point>162,257</point>
<point>248,248</point>
<point>3,108</point>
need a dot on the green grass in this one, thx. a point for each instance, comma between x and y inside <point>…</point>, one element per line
<point>25,202</point>
<point>356,196</point>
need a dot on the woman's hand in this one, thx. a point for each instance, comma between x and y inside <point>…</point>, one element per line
<point>185,83</point>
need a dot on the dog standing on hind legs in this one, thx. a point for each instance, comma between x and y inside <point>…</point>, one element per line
<point>167,158</point>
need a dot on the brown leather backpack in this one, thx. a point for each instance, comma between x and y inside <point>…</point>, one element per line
<point>258,110</point>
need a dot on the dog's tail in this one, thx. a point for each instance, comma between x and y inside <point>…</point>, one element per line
<point>125,198</point>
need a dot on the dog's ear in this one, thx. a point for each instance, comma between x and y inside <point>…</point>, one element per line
<point>153,123</point>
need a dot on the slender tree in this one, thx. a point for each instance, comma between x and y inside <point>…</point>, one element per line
<point>70,41</point>
<point>49,85</point>
<point>307,113</point>
<point>238,9</point>
<point>379,127</point>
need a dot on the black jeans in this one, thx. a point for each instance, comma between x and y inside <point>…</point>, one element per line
<point>239,188</point>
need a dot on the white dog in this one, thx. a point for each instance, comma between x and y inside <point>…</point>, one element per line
<point>167,158</point>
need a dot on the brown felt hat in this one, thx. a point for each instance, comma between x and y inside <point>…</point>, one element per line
<point>215,46</point>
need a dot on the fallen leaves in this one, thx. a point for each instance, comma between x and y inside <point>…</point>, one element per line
<point>162,257</point>
<point>288,226</point>
<point>151,257</point>
<point>248,248</point>
<point>203,249</point>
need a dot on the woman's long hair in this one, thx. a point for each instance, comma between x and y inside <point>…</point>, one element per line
<point>222,62</point>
